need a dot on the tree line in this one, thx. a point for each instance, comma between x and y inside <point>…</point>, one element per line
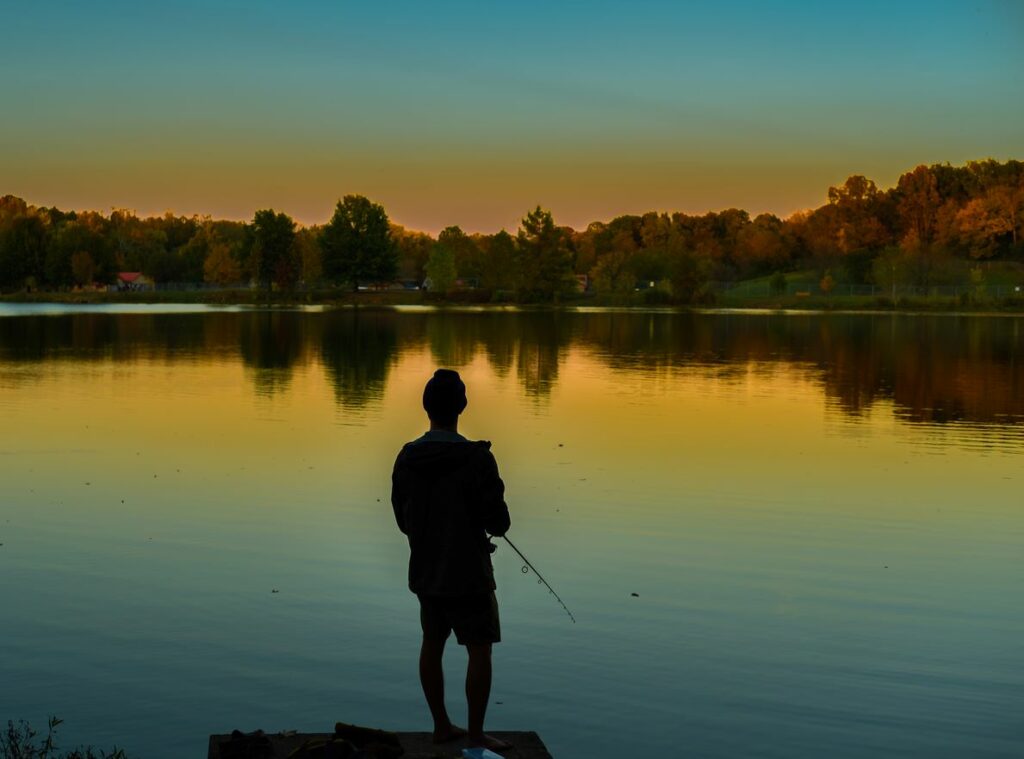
<point>931,228</point>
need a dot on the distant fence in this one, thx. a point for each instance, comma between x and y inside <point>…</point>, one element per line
<point>765,289</point>
<point>185,287</point>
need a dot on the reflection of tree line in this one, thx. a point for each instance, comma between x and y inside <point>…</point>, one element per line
<point>533,343</point>
<point>934,369</point>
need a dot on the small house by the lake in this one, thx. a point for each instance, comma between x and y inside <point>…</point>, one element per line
<point>133,281</point>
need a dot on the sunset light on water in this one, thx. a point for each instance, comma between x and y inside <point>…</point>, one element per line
<point>174,469</point>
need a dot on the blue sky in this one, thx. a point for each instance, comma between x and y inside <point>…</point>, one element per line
<point>471,113</point>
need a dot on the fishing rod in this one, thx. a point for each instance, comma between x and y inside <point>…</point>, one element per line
<point>539,577</point>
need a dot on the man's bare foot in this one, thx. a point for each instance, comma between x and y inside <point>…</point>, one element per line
<point>488,742</point>
<point>453,733</point>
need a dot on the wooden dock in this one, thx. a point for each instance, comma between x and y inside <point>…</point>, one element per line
<point>526,745</point>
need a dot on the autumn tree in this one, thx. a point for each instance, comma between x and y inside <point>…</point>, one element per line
<point>859,218</point>
<point>1007,203</point>
<point>760,246</point>
<point>992,221</point>
<point>357,245</point>
<point>585,243</point>
<point>918,200</point>
<point>613,274</point>
<point>220,266</point>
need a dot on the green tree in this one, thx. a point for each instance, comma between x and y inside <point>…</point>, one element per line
<point>688,274</point>
<point>979,292</point>
<point>612,274</point>
<point>136,242</point>
<point>165,266</point>
<point>308,255</point>
<point>22,250</point>
<point>82,233</point>
<point>357,244</point>
<point>413,250</point>
<point>465,251</point>
<point>441,268</point>
<point>192,255</point>
<point>891,270</point>
<point>498,262</point>
<point>83,268</point>
<point>273,238</point>
<point>12,265</point>
<point>544,256</point>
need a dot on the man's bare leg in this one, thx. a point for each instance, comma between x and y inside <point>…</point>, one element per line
<point>478,692</point>
<point>432,680</point>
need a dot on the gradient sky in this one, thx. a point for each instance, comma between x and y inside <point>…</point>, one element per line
<point>470,113</point>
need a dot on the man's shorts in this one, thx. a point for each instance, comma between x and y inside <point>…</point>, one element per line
<point>473,618</point>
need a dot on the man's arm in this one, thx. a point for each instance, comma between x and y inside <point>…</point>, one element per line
<point>399,491</point>
<point>496,519</point>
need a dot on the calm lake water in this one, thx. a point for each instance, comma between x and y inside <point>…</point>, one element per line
<point>822,516</point>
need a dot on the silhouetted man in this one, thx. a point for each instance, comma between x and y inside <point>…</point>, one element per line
<point>447,496</point>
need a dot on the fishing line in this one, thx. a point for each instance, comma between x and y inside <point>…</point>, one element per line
<point>539,577</point>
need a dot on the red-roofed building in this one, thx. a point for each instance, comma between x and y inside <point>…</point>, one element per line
<point>133,280</point>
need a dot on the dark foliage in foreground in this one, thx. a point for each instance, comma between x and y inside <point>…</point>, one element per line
<point>21,741</point>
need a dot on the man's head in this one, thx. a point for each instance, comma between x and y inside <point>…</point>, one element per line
<point>444,397</point>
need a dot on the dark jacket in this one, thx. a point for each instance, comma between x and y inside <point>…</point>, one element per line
<point>446,497</point>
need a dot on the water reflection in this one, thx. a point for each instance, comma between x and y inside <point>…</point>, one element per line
<point>271,343</point>
<point>820,515</point>
<point>358,349</point>
<point>934,369</point>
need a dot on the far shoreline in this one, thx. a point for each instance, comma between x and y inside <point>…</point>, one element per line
<point>471,300</point>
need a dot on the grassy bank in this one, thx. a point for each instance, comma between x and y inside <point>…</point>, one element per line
<point>938,303</point>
